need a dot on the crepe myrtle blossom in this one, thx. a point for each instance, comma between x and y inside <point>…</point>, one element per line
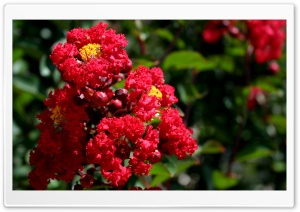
<point>90,123</point>
<point>267,37</point>
<point>91,56</point>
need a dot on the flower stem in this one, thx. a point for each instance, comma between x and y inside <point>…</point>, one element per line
<point>145,182</point>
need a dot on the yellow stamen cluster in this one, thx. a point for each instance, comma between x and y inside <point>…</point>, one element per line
<point>155,92</point>
<point>57,115</point>
<point>90,51</point>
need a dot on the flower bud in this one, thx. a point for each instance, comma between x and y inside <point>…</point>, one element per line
<point>121,94</point>
<point>115,105</point>
<point>155,156</point>
<point>128,67</point>
<point>100,98</point>
<point>79,99</point>
<point>274,67</point>
<point>234,31</point>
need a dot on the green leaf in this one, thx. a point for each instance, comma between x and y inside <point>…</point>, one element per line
<point>212,147</point>
<point>21,171</point>
<point>182,93</point>
<point>165,34</point>
<point>172,168</point>
<point>29,84</point>
<point>160,169</point>
<point>155,121</point>
<point>252,153</point>
<point>142,62</point>
<point>185,164</point>
<point>236,51</point>
<point>270,84</point>
<point>56,185</point>
<point>20,67</point>
<point>279,122</point>
<point>180,60</point>
<point>235,47</point>
<point>223,62</point>
<point>279,166</point>
<point>223,182</point>
<point>158,179</point>
<point>17,54</point>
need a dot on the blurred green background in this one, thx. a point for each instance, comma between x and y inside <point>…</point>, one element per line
<point>210,83</point>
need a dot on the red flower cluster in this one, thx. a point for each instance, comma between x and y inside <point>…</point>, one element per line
<point>89,122</point>
<point>266,36</point>
<point>214,30</point>
<point>148,92</point>
<point>60,150</point>
<point>91,56</point>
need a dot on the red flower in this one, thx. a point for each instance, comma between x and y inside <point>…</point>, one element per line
<point>59,153</point>
<point>214,30</point>
<point>116,139</point>
<point>147,92</point>
<point>87,180</point>
<point>90,54</point>
<point>273,67</point>
<point>267,38</point>
<point>253,99</point>
<point>87,123</point>
<point>175,137</point>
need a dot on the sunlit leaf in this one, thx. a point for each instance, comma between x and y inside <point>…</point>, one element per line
<point>185,164</point>
<point>212,147</point>
<point>17,54</point>
<point>159,169</point>
<point>165,34</point>
<point>253,153</point>
<point>158,179</point>
<point>279,122</point>
<point>187,60</point>
<point>223,182</point>
<point>142,62</point>
<point>279,166</point>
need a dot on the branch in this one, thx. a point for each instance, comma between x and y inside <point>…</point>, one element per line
<point>142,45</point>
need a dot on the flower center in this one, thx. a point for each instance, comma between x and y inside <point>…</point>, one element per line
<point>155,92</point>
<point>57,115</point>
<point>90,51</point>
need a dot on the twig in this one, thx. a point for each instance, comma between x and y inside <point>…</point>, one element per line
<point>243,123</point>
<point>248,64</point>
<point>235,148</point>
<point>142,45</point>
